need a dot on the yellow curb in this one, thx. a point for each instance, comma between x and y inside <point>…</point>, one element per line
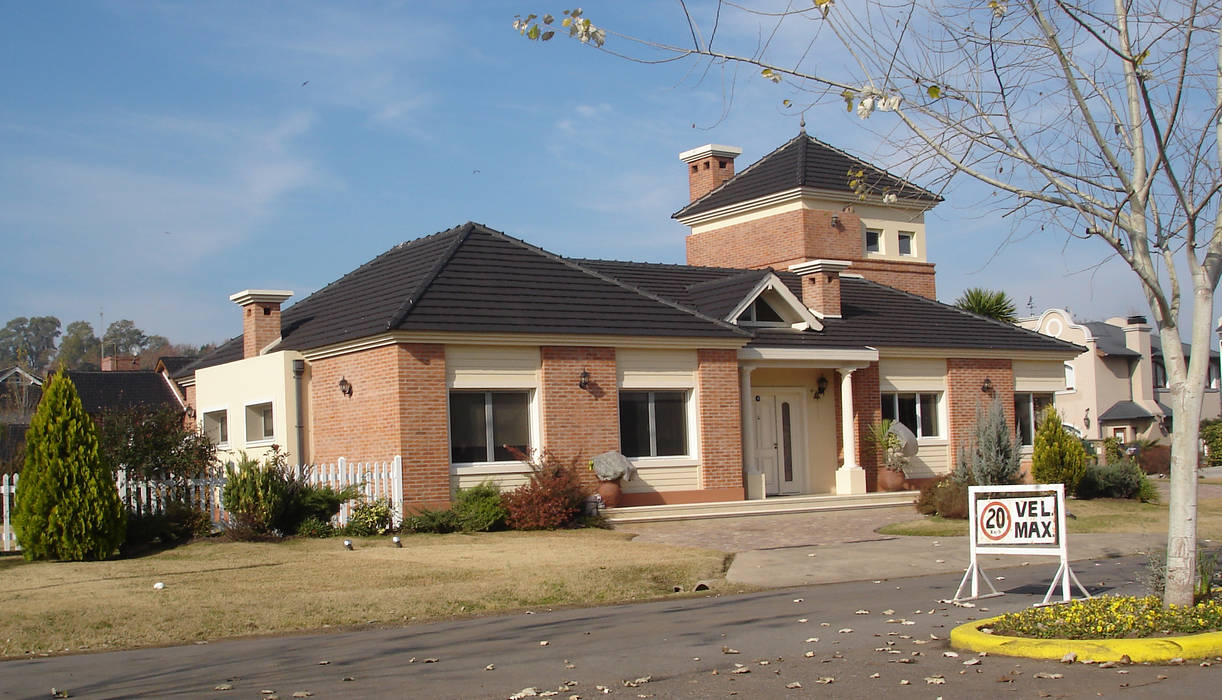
<point>968,637</point>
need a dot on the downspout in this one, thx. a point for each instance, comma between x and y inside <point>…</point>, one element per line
<point>298,372</point>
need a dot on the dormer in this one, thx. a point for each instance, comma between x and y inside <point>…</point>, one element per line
<point>766,303</point>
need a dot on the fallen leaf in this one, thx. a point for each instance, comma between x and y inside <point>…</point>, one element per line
<point>525,693</point>
<point>845,630</point>
<point>888,611</point>
<point>950,654</point>
<point>323,663</point>
<point>544,643</point>
<point>875,675</point>
<point>803,620</point>
<point>794,686</point>
<point>935,680</point>
<point>224,686</point>
<point>971,662</point>
<point>905,682</point>
<point>798,600</point>
<point>347,679</point>
<point>1069,657</point>
<point>1049,676</point>
<point>637,681</point>
<point>811,640</point>
<point>741,669</point>
<point>431,660</point>
<point>862,612</point>
<point>302,694</point>
<point>490,667</point>
<point>825,680</point>
<point>728,650</point>
<point>809,655</point>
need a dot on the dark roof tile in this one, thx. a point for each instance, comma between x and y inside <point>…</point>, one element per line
<point>101,391</point>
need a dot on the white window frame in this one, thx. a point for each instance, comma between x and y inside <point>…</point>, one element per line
<point>899,245</point>
<point>265,440</point>
<point>879,239</point>
<point>1071,380</point>
<point>1035,420</point>
<point>940,413</point>
<point>496,466</point>
<point>690,420</point>
<point>220,444</point>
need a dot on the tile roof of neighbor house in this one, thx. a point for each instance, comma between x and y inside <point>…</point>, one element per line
<point>100,391</point>
<point>472,277</point>
<point>1110,339</point>
<point>173,363</point>
<point>805,161</point>
<point>1129,410</point>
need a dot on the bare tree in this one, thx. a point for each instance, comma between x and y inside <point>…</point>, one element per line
<point>1104,118</point>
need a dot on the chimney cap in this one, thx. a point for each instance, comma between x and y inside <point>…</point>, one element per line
<point>710,149</point>
<point>260,296</point>
<point>1136,320</point>
<point>811,267</point>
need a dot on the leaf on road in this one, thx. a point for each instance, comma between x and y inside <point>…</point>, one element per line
<point>951,654</point>
<point>845,630</point>
<point>825,680</point>
<point>637,681</point>
<point>525,693</point>
<point>490,667</point>
<point>1049,676</point>
<point>223,686</point>
<point>809,655</point>
<point>935,680</point>
<point>862,612</point>
<point>544,643</point>
<point>971,662</point>
<point>794,686</point>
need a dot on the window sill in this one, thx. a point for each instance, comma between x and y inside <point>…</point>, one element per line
<point>932,441</point>
<point>265,442</point>
<point>506,467</point>
<point>652,462</point>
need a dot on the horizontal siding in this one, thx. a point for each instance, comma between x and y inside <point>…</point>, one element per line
<point>651,479</point>
<point>507,482</point>
<point>930,460</point>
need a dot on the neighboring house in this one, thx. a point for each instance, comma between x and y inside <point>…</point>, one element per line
<point>20,392</point>
<point>121,385</point>
<point>1118,387</point>
<point>806,315</point>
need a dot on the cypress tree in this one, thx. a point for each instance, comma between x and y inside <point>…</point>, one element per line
<point>1058,456</point>
<point>68,505</point>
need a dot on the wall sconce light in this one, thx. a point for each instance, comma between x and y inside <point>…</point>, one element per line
<point>190,411</point>
<point>583,381</point>
<point>987,387</point>
<point>345,387</point>
<point>1086,419</point>
<point>835,221</point>
<point>820,387</point>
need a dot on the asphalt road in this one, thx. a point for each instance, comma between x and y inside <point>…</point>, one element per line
<point>684,646</point>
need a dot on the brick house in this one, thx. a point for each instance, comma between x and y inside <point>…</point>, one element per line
<point>805,314</point>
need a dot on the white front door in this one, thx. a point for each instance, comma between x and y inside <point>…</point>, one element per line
<point>779,446</point>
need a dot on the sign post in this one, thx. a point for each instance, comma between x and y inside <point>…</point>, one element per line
<point>1027,520</point>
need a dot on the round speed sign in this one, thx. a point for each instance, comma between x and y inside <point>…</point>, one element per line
<point>995,520</point>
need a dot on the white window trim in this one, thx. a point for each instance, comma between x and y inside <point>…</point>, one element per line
<point>509,466</point>
<point>690,406</point>
<point>261,442</point>
<point>228,428</point>
<point>1035,424</point>
<point>882,237</point>
<point>939,439</point>
<point>912,252</point>
<point>1071,379</point>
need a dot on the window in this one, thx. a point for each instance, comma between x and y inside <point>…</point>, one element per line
<point>485,424</point>
<point>259,424</point>
<point>653,423</point>
<point>906,243</point>
<point>216,427</point>
<point>1069,377</point>
<point>917,411</point>
<point>761,313</point>
<point>1027,411</point>
<point>1213,375</point>
<point>873,240</point>
<point>1160,375</point>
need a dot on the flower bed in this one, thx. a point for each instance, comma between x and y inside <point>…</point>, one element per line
<point>1111,617</point>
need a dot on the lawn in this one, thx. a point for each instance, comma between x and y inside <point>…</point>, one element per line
<point>216,589</point>
<point>1099,515</point>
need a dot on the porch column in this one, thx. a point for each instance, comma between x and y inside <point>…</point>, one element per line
<point>850,477</point>
<point>753,478</point>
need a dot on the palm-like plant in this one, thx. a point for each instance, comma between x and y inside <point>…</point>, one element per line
<point>987,302</point>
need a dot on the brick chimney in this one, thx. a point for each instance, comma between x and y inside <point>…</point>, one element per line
<point>708,166</point>
<point>260,317</point>
<point>120,363</point>
<point>821,285</point>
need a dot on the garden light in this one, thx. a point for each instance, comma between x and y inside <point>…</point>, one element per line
<point>398,542</point>
<point>348,544</point>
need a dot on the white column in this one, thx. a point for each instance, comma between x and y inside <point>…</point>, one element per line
<point>753,478</point>
<point>850,477</point>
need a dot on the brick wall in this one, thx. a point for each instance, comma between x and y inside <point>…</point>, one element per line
<point>579,421</point>
<point>707,174</point>
<point>260,326</point>
<point>188,393</point>
<point>912,277</point>
<point>867,409</point>
<point>964,377</point>
<point>721,452</point>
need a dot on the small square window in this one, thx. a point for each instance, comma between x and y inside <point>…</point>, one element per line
<point>216,426</point>
<point>905,243</point>
<point>259,423</point>
<point>873,240</point>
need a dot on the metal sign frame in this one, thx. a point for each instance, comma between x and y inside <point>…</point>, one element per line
<point>974,573</point>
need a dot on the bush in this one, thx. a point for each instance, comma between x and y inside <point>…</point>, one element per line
<point>376,517</point>
<point>314,527</point>
<point>554,496</point>
<point>1211,434</point>
<point>305,501</point>
<point>1119,479</point>
<point>994,457</point>
<point>1113,449</point>
<point>1058,457</point>
<point>946,497</point>
<point>1155,459</point>
<point>67,506</point>
<point>255,495</point>
<point>480,508</point>
<point>432,521</point>
<point>178,522</point>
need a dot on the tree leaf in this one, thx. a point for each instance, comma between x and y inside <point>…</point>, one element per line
<point>934,92</point>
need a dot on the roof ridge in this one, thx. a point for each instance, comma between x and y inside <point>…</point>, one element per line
<point>737,175</point>
<point>624,285</point>
<point>462,233</point>
<point>958,310</point>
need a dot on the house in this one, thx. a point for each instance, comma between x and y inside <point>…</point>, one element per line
<point>1118,386</point>
<point>806,314</point>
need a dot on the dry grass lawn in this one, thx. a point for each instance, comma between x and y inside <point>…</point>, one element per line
<point>219,589</point>
<point>1102,515</point>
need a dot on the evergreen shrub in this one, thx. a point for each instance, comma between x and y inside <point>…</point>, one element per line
<point>994,457</point>
<point>1058,457</point>
<point>480,508</point>
<point>1122,478</point>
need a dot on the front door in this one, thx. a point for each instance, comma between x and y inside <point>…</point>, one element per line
<point>778,439</point>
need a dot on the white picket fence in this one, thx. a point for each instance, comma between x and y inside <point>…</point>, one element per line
<point>377,480</point>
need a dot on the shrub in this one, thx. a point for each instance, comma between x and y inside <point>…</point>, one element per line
<point>946,497</point>
<point>1155,459</point>
<point>255,496</point>
<point>178,522</point>
<point>1058,457</point>
<point>1113,449</point>
<point>554,496</point>
<point>1211,434</point>
<point>314,527</point>
<point>153,444</point>
<point>1119,479</point>
<point>376,517</point>
<point>428,520</point>
<point>1111,617</point>
<point>995,453</point>
<point>67,506</point>
<point>305,501</point>
<point>480,508</point>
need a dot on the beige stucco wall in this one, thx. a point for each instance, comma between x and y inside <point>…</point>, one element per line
<point>820,417</point>
<point>235,385</point>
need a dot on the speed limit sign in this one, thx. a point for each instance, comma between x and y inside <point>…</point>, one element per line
<point>995,521</point>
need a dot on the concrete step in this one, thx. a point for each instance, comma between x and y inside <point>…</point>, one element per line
<point>777,505</point>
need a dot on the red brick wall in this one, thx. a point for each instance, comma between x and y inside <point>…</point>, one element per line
<point>721,454</point>
<point>821,292</point>
<point>964,377</point>
<point>260,326</point>
<point>867,409</point>
<point>188,393</point>
<point>398,406</point>
<point>776,241</point>
<point>912,277</point>
<point>579,421</point>
<point>707,174</point>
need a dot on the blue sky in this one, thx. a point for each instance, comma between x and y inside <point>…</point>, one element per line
<point>157,157</point>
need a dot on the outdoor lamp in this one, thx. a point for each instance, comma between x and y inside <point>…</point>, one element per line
<point>820,387</point>
<point>835,221</point>
<point>987,387</point>
<point>345,387</point>
<point>398,542</point>
<point>583,381</point>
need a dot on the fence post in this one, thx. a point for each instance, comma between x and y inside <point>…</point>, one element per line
<point>396,486</point>
<point>8,487</point>
<point>341,472</point>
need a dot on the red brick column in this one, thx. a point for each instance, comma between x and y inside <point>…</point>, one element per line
<point>964,377</point>
<point>424,427</point>
<point>576,421</point>
<point>867,410</point>
<point>721,453</point>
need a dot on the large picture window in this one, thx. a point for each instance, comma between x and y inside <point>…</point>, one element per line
<point>653,423</point>
<point>485,424</point>
<point>918,411</point>
<point>1027,411</point>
